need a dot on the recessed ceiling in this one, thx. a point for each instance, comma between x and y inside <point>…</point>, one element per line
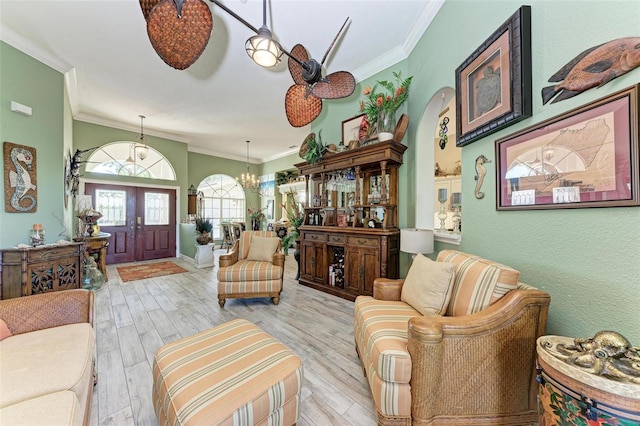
<point>223,99</point>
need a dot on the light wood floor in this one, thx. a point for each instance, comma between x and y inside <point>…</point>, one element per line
<point>134,319</point>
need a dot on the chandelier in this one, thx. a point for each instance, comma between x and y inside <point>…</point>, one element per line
<point>140,148</point>
<point>247,180</point>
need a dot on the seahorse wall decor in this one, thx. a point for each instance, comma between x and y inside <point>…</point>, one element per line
<point>20,178</point>
<point>480,172</point>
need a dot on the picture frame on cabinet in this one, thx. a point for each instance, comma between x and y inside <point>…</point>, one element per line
<point>353,131</point>
<point>586,157</point>
<point>493,85</point>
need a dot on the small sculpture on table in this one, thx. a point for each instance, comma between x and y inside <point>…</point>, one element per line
<point>607,354</point>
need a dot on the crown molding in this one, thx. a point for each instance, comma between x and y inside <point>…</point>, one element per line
<point>380,63</point>
<point>220,155</point>
<point>26,46</point>
<point>401,52</point>
<point>421,24</point>
<point>101,121</point>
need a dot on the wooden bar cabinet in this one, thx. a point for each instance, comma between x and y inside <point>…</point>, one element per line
<point>350,234</point>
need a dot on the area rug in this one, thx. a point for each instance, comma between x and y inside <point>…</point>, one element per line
<point>149,270</point>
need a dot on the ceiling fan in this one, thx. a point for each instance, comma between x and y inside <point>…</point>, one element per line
<point>303,101</point>
<point>179,31</point>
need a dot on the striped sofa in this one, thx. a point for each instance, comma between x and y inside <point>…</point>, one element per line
<point>241,277</point>
<point>473,365</point>
<point>234,374</point>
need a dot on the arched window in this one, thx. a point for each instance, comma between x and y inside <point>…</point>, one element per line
<point>222,201</point>
<point>121,158</point>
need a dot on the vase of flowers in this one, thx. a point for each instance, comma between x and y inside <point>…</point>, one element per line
<point>386,124</point>
<point>380,106</point>
<point>255,216</point>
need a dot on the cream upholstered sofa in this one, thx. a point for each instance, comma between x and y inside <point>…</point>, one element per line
<point>47,358</point>
<point>468,360</point>
<point>253,268</point>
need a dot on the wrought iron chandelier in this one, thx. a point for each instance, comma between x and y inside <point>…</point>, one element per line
<point>247,180</point>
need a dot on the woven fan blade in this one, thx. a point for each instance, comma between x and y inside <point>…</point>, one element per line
<point>340,84</point>
<point>147,6</point>
<point>300,53</point>
<point>301,109</point>
<point>180,41</point>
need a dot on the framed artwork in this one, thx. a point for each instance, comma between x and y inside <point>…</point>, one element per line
<point>20,178</point>
<point>587,157</point>
<point>493,85</point>
<point>355,129</point>
<point>269,209</point>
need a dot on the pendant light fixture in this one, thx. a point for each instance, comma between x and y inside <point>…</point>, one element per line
<point>247,180</point>
<point>141,149</point>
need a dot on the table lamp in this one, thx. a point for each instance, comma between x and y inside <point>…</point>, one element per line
<point>416,241</point>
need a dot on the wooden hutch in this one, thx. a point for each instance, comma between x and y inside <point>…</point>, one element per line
<point>350,234</point>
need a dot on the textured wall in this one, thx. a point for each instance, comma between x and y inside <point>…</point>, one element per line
<point>29,82</point>
<point>587,259</point>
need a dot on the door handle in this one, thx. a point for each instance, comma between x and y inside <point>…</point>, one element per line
<point>138,222</point>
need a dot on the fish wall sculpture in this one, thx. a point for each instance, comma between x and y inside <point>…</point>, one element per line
<point>594,67</point>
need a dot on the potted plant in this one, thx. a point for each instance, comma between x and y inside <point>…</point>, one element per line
<point>295,216</point>
<point>203,229</point>
<point>315,148</point>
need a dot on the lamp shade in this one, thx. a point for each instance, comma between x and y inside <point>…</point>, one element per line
<point>263,49</point>
<point>416,240</point>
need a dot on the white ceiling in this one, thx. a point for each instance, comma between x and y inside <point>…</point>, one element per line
<point>223,99</point>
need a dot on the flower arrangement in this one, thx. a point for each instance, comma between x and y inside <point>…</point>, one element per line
<point>388,100</point>
<point>255,214</point>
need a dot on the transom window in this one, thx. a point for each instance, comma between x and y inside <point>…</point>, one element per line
<point>120,158</point>
<point>222,201</point>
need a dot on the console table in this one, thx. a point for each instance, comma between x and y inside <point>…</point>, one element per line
<point>31,270</point>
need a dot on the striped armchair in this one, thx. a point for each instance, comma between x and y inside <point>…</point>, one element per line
<point>253,268</point>
<point>472,365</point>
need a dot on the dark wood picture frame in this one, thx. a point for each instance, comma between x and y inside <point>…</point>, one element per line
<point>586,157</point>
<point>493,85</point>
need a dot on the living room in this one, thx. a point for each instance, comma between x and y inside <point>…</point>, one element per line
<point>590,275</point>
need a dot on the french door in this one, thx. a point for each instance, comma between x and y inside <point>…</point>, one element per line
<point>141,221</point>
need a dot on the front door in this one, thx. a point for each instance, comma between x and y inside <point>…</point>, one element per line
<point>141,221</point>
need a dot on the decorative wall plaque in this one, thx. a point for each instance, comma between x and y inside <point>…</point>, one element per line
<point>20,178</point>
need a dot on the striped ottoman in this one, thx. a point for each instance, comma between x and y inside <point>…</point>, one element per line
<point>232,374</point>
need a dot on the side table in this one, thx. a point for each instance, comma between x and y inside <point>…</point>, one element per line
<point>204,256</point>
<point>97,244</point>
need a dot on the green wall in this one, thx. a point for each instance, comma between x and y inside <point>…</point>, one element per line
<point>31,83</point>
<point>587,259</point>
